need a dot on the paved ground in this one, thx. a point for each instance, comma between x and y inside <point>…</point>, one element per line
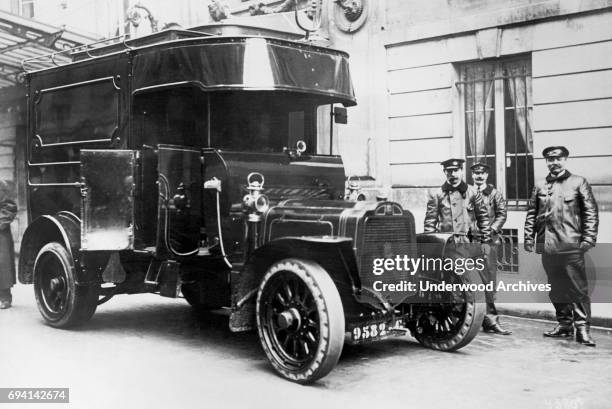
<point>601,313</point>
<point>144,351</point>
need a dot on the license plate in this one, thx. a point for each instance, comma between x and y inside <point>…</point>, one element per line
<point>375,330</point>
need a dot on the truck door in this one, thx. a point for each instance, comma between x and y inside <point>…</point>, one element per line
<point>108,199</point>
<point>180,200</point>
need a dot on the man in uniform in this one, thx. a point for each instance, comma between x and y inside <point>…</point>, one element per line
<point>8,210</point>
<point>561,223</point>
<point>458,208</point>
<point>496,208</point>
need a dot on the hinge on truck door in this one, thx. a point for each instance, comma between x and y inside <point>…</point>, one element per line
<point>84,189</point>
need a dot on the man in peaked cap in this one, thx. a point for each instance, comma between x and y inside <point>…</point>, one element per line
<point>457,208</point>
<point>496,208</point>
<point>561,223</point>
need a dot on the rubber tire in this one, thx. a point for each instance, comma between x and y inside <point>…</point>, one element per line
<point>474,315</point>
<point>331,319</point>
<point>82,299</point>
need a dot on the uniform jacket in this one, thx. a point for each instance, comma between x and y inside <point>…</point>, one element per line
<point>8,210</point>
<point>458,210</point>
<point>496,207</point>
<point>562,213</point>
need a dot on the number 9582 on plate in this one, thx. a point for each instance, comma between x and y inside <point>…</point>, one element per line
<point>374,331</point>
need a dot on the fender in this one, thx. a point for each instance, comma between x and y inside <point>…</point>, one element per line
<point>334,254</point>
<point>446,245</point>
<point>64,228</point>
<point>433,244</point>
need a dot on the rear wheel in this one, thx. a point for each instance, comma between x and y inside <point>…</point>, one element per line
<point>300,320</point>
<point>61,302</point>
<point>449,326</point>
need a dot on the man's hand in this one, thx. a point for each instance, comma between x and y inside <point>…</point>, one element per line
<point>529,247</point>
<point>485,248</point>
<point>586,246</point>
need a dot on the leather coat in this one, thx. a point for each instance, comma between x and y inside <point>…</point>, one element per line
<point>562,214</point>
<point>8,210</point>
<point>460,210</point>
<point>496,207</point>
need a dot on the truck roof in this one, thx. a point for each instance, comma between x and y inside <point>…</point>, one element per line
<point>217,57</point>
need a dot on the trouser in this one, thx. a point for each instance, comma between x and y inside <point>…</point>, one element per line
<point>569,288</point>
<point>462,248</point>
<point>489,274</point>
<point>7,260</point>
<point>5,294</point>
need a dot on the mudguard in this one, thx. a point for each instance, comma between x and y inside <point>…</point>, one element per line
<point>334,254</point>
<point>446,245</point>
<point>64,228</point>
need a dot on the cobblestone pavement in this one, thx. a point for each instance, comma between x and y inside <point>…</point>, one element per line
<point>144,351</point>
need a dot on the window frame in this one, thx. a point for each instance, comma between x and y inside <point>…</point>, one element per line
<point>499,112</point>
<point>28,5</point>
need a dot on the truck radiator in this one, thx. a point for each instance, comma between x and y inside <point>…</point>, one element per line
<point>385,237</point>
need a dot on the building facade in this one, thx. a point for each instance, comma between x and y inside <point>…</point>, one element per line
<point>482,79</point>
<point>485,80</point>
<point>497,81</point>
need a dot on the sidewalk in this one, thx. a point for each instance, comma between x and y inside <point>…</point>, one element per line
<point>601,313</point>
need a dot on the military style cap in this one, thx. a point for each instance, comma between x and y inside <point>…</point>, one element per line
<point>555,152</point>
<point>452,163</point>
<point>479,166</point>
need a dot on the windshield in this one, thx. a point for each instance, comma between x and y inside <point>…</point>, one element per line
<point>261,121</point>
<point>246,121</point>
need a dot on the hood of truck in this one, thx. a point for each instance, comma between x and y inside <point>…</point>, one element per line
<point>308,177</point>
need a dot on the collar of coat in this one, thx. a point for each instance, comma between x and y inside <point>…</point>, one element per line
<point>487,190</point>
<point>461,187</point>
<point>550,178</point>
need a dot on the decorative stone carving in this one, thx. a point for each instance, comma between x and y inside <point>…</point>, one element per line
<point>218,10</point>
<point>350,15</point>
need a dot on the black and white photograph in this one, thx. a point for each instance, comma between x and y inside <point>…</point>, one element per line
<point>245,204</point>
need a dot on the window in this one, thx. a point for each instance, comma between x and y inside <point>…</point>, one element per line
<point>176,116</point>
<point>497,112</point>
<point>26,8</point>
<point>262,122</point>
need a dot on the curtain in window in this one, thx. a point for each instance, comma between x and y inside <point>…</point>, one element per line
<point>517,102</point>
<point>479,94</point>
<point>517,127</point>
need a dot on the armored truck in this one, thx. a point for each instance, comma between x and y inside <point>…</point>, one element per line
<point>189,164</point>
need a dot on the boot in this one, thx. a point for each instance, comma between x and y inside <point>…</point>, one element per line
<point>583,337</point>
<point>560,331</point>
<point>5,299</point>
<point>493,326</point>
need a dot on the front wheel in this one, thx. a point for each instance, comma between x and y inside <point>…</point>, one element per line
<point>61,302</point>
<point>300,320</point>
<point>449,326</point>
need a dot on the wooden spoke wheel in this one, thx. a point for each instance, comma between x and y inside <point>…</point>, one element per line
<point>300,320</point>
<point>449,326</point>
